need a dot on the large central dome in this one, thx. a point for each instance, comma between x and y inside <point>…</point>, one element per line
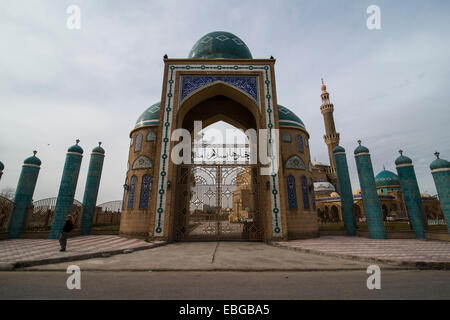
<point>220,44</point>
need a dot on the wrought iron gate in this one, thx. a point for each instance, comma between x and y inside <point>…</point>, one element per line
<point>218,202</point>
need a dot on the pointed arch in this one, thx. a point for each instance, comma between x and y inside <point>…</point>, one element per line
<point>292,192</point>
<point>145,192</point>
<point>142,162</point>
<point>295,162</point>
<point>132,192</point>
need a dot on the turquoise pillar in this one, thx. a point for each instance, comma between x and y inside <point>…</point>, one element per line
<point>440,169</point>
<point>91,189</point>
<point>24,194</point>
<point>1,169</point>
<point>369,193</point>
<point>67,188</point>
<point>345,188</point>
<point>411,194</point>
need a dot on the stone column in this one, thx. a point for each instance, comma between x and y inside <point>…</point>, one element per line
<point>24,194</point>
<point>67,188</point>
<point>440,169</point>
<point>411,194</point>
<point>369,193</point>
<point>91,189</point>
<point>345,188</point>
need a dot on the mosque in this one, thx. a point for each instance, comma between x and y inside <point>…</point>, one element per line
<point>275,192</point>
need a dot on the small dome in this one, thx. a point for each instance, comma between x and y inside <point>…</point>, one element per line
<point>338,149</point>
<point>439,163</point>
<point>402,159</point>
<point>220,44</point>
<point>99,149</point>
<point>76,148</point>
<point>387,178</point>
<point>33,160</point>
<point>1,166</point>
<point>287,118</point>
<point>323,187</point>
<point>361,149</point>
<point>149,117</point>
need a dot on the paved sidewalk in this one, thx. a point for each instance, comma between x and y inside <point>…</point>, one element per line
<point>407,252</point>
<point>27,252</point>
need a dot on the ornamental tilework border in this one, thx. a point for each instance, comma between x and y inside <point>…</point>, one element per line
<point>167,129</point>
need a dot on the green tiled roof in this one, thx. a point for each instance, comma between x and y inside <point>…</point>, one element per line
<point>220,44</point>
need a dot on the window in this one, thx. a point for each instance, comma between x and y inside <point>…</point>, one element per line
<point>305,193</point>
<point>313,197</point>
<point>151,136</point>
<point>137,146</point>
<point>132,192</point>
<point>142,162</point>
<point>145,192</point>
<point>286,137</point>
<point>300,144</point>
<point>292,193</point>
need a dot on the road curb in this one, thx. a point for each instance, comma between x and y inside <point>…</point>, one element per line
<point>31,263</point>
<point>423,265</point>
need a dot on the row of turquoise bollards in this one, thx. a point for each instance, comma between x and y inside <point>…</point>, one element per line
<point>440,170</point>
<point>27,183</point>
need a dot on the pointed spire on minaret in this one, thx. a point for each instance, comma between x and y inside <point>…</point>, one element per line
<point>34,153</point>
<point>400,151</point>
<point>437,154</point>
<point>77,141</point>
<point>331,137</point>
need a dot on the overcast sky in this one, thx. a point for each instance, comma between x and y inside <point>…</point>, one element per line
<point>389,86</point>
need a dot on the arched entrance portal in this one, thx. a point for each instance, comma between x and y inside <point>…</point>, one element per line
<point>218,193</point>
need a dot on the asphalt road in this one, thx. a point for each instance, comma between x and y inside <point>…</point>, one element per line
<point>350,284</point>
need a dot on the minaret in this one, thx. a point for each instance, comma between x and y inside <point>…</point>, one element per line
<point>331,137</point>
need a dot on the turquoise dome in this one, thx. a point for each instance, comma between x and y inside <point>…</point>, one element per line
<point>1,166</point>
<point>387,178</point>
<point>99,149</point>
<point>338,149</point>
<point>439,164</point>
<point>33,160</point>
<point>75,148</point>
<point>149,117</point>
<point>403,160</point>
<point>287,118</point>
<point>220,44</point>
<point>361,149</point>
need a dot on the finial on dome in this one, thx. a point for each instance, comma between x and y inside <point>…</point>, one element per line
<point>384,167</point>
<point>34,153</point>
<point>359,142</point>
<point>324,87</point>
<point>437,154</point>
<point>77,141</point>
<point>99,143</point>
<point>401,152</point>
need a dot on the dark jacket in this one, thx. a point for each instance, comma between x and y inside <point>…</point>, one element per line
<point>68,226</point>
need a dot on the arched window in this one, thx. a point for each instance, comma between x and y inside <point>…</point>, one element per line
<point>151,136</point>
<point>287,137</point>
<point>132,192</point>
<point>124,193</point>
<point>305,193</point>
<point>300,144</point>
<point>313,197</point>
<point>295,162</point>
<point>145,192</point>
<point>137,146</point>
<point>142,162</point>
<point>292,193</point>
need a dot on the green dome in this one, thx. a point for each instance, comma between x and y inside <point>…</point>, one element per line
<point>387,178</point>
<point>99,149</point>
<point>402,160</point>
<point>150,117</point>
<point>75,148</point>
<point>33,160</point>
<point>439,164</point>
<point>338,149</point>
<point>220,44</point>
<point>1,166</point>
<point>287,118</point>
<point>361,149</point>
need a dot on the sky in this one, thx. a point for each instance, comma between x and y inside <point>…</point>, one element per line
<point>389,86</point>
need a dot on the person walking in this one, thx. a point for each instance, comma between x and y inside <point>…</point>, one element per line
<point>68,226</point>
